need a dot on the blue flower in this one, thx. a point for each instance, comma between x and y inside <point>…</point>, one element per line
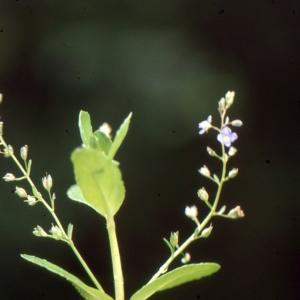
<point>227,137</point>
<point>205,125</point>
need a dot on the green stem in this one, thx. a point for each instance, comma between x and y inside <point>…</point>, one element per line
<point>85,266</point>
<point>116,259</point>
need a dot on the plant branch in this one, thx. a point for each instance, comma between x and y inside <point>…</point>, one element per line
<point>116,258</point>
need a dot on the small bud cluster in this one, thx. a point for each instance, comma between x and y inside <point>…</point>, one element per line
<point>55,232</point>
<point>47,180</point>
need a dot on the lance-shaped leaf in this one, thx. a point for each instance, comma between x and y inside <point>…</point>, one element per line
<point>176,277</point>
<point>99,179</point>
<point>85,127</point>
<point>119,137</point>
<point>84,290</point>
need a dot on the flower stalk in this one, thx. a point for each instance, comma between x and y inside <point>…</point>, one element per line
<point>226,137</point>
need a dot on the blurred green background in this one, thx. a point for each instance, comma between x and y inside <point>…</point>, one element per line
<point>169,62</point>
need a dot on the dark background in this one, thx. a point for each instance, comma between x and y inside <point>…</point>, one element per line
<point>169,62</point>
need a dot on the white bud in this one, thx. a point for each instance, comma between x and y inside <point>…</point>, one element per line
<point>186,258</point>
<point>207,231</point>
<point>204,171</point>
<point>9,177</point>
<point>211,152</point>
<point>21,192</point>
<point>229,97</point>
<point>39,231</point>
<point>191,212</point>
<point>221,105</point>
<point>56,232</point>
<point>233,173</point>
<point>236,213</point>
<point>232,151</point>
<point>47,182</point>
<point>202,194</point>
<point>30,200</point>
<point>106,129</point>
<point>222,209</point>
<point>237,123</point>
<point>8,151</point>
<point>24,151</point>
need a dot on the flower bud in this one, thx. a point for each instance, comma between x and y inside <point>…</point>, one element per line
<point>21,192</point>
<point>186,258</point>
<point>221,105</point>
<point>237,123</point>
<point>24,151</point>
<point>233,173</point>
<point>191,212</point>
<point>207,231</point>
<point>232,151</point>
<point>222,210</point>
<point>202,194</point>
<point>204,171</point>
<point>229,97</point>
<point>236,213</point>
<point>174,239</point>
<point>9,177</point>
<point>31,200</point>
<point>1,98</point>
<point>106,129</point>
<point>8,151</point>
<point>47,182</point>
<point>39,231</point>
<point>216,179</point>
<point>211,152</point>
<point>56,232</point>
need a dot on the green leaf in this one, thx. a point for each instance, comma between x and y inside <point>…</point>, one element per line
<point>176,277</point>
<point>120,135</point>
<point>99,179</point>
<point>85,127</point>
<point>103,141</point>
<point>85,291</point>
<point>94,143</point>
<point>75,193</point>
